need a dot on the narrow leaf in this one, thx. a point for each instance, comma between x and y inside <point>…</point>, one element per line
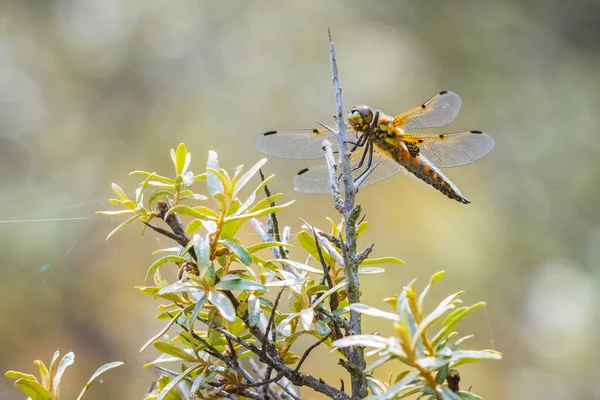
<point>161,261</point>
<point>234,282</point>
<point>223,304</point>
<point>253,310</point>
<point>121,226</point>
<point>33,389</point>
<point>382,260</point>
<point>175,381</point>
<point>375,312</point>
<point>67,360</point>
<point>98,372</point>
<point>242,254</point>
<point>214,183</point>
<point>162,331</point>
<point>248,175</point>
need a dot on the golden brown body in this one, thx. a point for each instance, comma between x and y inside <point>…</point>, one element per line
<point>389,139</point>
<point>381,146</point>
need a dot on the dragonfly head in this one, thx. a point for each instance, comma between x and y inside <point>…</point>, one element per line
<point>360,118</point>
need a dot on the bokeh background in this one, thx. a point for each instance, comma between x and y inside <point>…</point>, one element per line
<point>91,90</point>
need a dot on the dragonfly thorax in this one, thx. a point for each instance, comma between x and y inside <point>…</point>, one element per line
<point>360,118</point>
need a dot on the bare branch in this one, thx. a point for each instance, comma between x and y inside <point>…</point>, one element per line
<point>349,209</point>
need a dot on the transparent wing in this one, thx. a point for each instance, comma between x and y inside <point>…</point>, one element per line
<point>316,179</point>
<point>438,111</point>
<point>299,143</point>
<point>452,149</point>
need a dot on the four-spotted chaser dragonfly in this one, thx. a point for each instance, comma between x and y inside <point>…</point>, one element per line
<point>384,142</point>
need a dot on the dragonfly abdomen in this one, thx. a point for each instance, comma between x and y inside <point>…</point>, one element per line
<point>430,174</point>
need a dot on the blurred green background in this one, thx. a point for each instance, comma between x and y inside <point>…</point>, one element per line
<point>91,90</point>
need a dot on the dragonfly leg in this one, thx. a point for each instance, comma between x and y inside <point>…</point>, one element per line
<point>369,162</point>
<point>368,149</point>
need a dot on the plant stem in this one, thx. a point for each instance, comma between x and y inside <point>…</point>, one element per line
<point>351,212</point>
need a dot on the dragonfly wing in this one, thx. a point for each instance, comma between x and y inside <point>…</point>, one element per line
<point>438,111</point>
<point>452,149</point>
<point>299,143</point>
<point>316,179</point>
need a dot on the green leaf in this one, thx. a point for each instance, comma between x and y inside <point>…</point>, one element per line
<point>266,202</point>
<point>241,253</point>
<point>298,265</point>
<point>370,270</point>
<point>250,200</point>
<point>452,319</point>
<point>19,375</point>
<point>322,328</point>
<point>375,312</point>
<point>223,304</point>
<point>175,381</point>
<point>196,212</point>
<point>214,183</point>
<point>119,193</point>
<point>248,175</point>
<point>182,287</point>
<point>175,351</point>
<point>260,213</point>
<point>98,372</point>
<point>446,393</point>
<point>121,226</point>
<point>67,360</point>
<point>44,374</point>
<point>329,292</point>
<point>202,250</point>
<point>53,369</point>
<point>265,245</point>
<point>464,395</point>
<point>33,389</point>
<point>440,377</point>
<point>382,260</point>
<point>163,260</point>
<point>116,212</point>
<point>377,363</point>
<point>162,331</point>
<point>253,310</point>
<point>363,340</point>
<point>362,227</point>
<point>435,278</point>
<point>143,187</point>
<point>306,318</point>
<point>181,158</point>
<point>235,282</point>
<point>159,178</point>
<point>307,241</point>
<point>460,357</point>
<point>430,319</point>
<point>396,388</point>
<point>193,196</point>
<point>197,308</point>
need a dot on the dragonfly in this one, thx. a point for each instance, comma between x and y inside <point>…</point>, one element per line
<point>381,146</point>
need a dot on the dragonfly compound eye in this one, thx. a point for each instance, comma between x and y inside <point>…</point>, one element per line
<point>360,117</point>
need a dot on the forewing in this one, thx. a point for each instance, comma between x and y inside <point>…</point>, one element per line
<point>438,111</point>
<point>316,178</point>
<point>298,144</point>
<point>452,149</point>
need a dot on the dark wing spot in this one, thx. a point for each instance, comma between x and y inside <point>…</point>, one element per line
<point>315,131</point>
<point>269,133</point>
<point>420,141</point>
<point>303,171</point>
<point>442,136</point>
<point>423,106</point>
<point>478,132</point>
<point>443,92</point>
